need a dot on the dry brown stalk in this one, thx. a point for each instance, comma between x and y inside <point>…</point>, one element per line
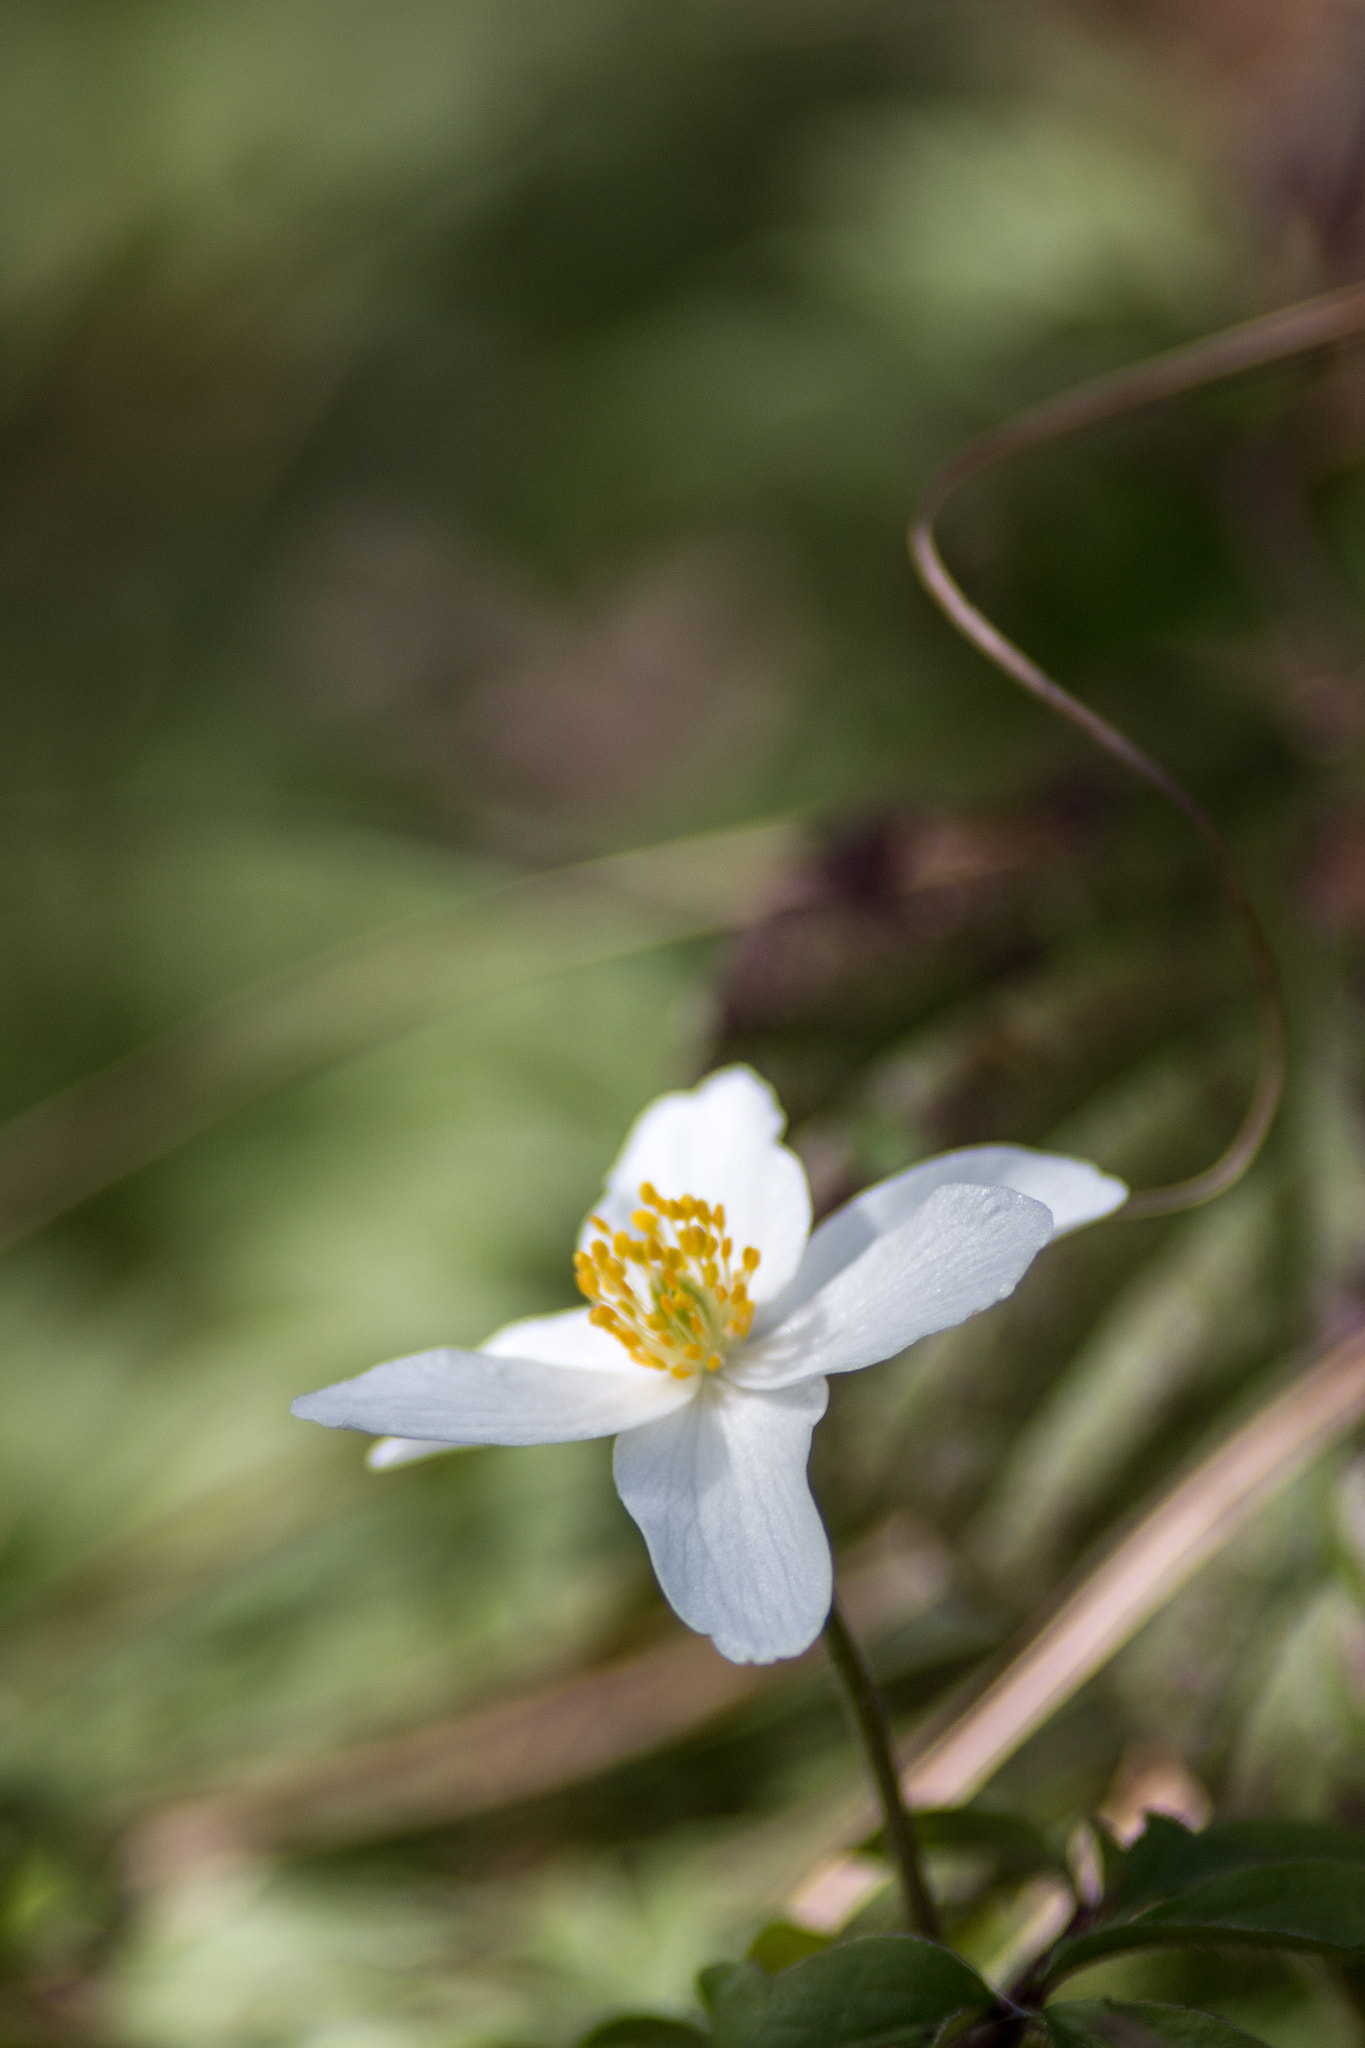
<point>1142,1570</point>
<point>1293,331</point>
<point>565,1732</point>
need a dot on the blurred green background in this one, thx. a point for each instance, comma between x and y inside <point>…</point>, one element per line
<point>446,441</point>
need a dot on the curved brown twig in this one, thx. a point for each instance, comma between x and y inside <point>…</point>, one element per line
<point>1294,331</point>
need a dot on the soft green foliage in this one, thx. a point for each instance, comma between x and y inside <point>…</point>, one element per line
<point>445,441</point>
<point>890,1990</point>
<point>1317,1906</point>
<point>883,1989</point>
<point>1108,2022</point>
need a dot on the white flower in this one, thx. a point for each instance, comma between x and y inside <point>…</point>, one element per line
<point>716,1316</point>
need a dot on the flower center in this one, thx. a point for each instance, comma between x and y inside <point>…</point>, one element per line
<point>674,1295</point>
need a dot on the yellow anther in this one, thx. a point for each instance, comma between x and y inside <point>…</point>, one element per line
<point>668,1295</point>
<point>752,1259</point>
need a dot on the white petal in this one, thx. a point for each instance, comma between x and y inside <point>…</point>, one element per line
<point>720,1493</point>
<point>388,1451</point>
<point>1075,1191</point>
<point>962,1249</point>
<point>721,1142</point>
<point>568,1338</point>
<point>564,1339</point>
<point>483,1397</point>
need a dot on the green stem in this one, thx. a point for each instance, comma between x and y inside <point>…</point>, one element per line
<point>874,1732</point>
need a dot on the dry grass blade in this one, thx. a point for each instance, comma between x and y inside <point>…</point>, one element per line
<point>1144,1569</point>
<point>1315,325</point>
<point>361,995</point>
<point>1163,1549</point>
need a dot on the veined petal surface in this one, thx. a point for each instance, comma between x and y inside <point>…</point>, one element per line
<point>1075,1191</point>
<point>721,1142</point>
<point>962,1249</point>
<point>564,1339</point>
<point>478,1397</point>
<point>719,1491</point>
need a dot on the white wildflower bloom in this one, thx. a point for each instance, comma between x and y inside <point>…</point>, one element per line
<point>716,1315</point>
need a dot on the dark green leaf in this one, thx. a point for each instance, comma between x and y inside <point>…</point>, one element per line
<point>735,1995</point>
<point>644,2030</point>
<point>1118,2023</point>
<point>880,1992</point>
<point>1018,1847</point>
<point>1113,1862</point>
<point>1167,1858</point>
<point>783,1943</point>
<point>1318,1906</point>
<point>1289,1841</point>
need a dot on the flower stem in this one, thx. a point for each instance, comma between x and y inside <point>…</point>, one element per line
<point>874,1732</point>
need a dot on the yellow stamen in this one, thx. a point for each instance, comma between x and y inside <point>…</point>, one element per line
<point>685,1304</point>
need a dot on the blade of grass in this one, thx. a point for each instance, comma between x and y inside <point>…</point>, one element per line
<point>359,996</point>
